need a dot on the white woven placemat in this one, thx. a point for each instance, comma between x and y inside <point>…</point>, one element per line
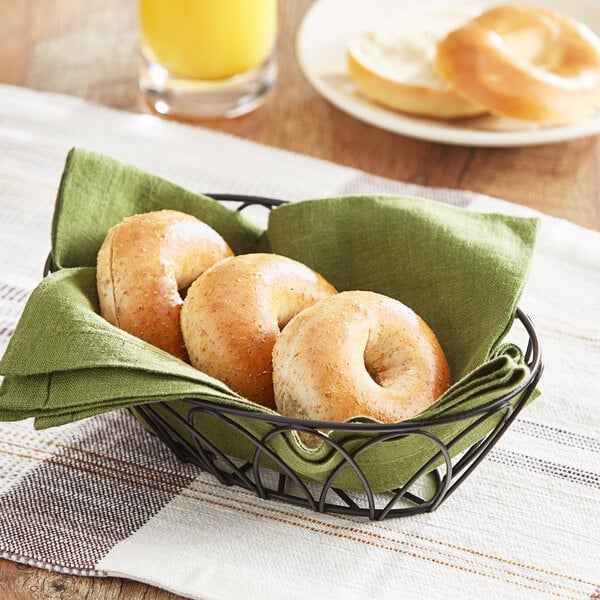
<point>103,497</point>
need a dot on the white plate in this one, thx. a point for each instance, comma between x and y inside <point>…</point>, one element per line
<point>320,48</point>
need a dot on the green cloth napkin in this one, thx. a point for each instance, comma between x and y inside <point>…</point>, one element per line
<point>97,192</point>
<point>462,271</point>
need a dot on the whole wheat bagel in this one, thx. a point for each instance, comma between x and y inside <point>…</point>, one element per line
<point>143,263</point>
<point>354,354</point>
<point>234,312</point>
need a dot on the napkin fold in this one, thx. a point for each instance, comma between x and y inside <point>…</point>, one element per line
<point>463,272</point>
<point>97,192</point>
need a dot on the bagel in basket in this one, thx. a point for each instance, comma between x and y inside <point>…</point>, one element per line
<point>234,312</point>
<point>358,353</point>
<point>143,263</point>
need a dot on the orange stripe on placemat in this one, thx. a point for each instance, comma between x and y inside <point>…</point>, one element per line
<point>167,486</point>
<point>180,479</point>
<point>57,512</point>
<point>507,561</point>
<point>381,542</point>
<point>373,525</point>
<point>379,526</point>
<point>507,457</point>
<point>316,525</point>
<point>183,480</point>
<point>95,469</point>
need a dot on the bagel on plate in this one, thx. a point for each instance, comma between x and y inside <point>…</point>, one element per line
<point>525,62</point>
<point>394,63</point>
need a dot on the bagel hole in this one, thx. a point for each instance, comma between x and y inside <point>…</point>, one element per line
<point>535,45</point>
<point>384,365</point>
<point>284,316</point>
<point>373,366</point>
<point>281,323</point>
<point>183,291</point>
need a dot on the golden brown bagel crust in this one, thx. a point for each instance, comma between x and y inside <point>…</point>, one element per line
<point>234,312</point>
<point>358,354</point>
<point>525,62</point>
<point>143,263</point>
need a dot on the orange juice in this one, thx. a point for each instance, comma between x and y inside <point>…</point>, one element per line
<point>208,39</point>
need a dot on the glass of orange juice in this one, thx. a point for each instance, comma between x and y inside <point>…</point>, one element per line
<point>207,58</point>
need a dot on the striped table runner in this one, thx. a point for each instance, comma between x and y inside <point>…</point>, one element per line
<point>102,497</point>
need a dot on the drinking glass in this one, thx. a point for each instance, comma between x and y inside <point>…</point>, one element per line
<point>207,58</point>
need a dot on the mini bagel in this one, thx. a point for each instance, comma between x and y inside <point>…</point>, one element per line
<point>234,312</point>
<point>143,263</point>
<point>525,62</point>
<point>393,63</point>
<point>354,354</point>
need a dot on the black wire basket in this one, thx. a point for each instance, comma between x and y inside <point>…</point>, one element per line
<point>270,477</point>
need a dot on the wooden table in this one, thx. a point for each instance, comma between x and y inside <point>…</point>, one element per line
<point>89,49</point>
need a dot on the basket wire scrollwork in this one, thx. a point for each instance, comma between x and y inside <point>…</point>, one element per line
<point>424,490</point>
